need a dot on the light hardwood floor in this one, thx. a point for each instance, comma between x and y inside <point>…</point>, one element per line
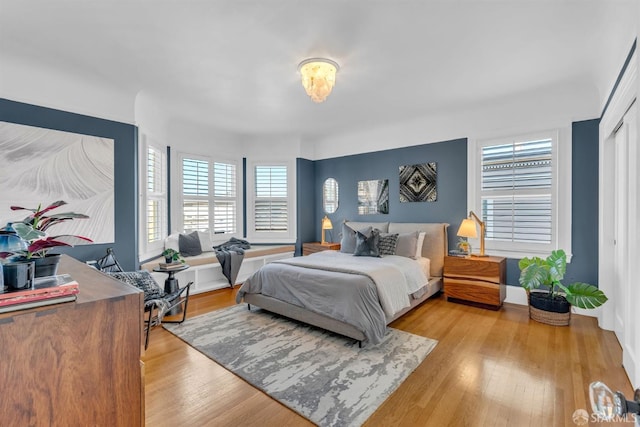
<point>490,368</point>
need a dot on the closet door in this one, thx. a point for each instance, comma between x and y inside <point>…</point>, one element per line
<point>624,207</point>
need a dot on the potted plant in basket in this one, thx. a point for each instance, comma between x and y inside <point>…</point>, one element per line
<point>33,231</point>
<point>554,306</point>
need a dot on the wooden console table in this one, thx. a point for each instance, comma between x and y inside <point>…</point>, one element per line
<point>76,363</point>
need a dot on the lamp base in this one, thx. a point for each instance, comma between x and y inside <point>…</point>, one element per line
<point>478,256</point>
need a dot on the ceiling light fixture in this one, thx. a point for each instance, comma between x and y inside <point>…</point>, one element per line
<point>318,77</point>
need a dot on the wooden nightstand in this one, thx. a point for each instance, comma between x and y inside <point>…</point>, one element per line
<point>479,280</point>
<point>311,247</point>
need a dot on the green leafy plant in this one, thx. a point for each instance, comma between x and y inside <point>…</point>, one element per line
<point>33,230</point>
<point>537,272</point>
<point>173,255</point>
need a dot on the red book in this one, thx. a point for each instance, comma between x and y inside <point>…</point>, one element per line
<point>43,288</point>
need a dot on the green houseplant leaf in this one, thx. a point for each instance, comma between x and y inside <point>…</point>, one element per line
<point>557,263</point>
<point>534,275</point>
<point>584,295</point>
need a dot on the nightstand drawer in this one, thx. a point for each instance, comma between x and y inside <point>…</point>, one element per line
<point>487,269</point>
<point>471,290</point>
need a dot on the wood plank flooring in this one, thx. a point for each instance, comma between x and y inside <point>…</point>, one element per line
<point>490,368</point>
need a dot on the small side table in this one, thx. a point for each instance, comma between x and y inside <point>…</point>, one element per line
<point>171,283</point>
<point>312,247</point>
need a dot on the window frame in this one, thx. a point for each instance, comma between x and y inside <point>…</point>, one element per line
<point>560,192</point>
<point>210,197</point>
<point>288,236</point>
<point>150,249</point>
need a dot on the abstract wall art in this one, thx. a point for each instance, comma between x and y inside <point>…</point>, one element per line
<point>40,166</point>
<point>418,183</point>
<point>373,197</point>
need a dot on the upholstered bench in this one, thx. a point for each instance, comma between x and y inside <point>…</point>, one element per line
<point>206,273</point>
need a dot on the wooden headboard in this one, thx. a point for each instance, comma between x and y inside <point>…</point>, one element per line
<point>436,243</point>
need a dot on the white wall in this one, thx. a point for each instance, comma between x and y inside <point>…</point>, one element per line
<point>43,84</point>
<point>524,112</point>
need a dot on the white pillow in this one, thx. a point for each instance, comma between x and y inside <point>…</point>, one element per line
<point>419,245</point>
<point>172,242</point>
<point>205,241</point>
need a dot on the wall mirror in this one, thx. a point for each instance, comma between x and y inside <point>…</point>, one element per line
<point>330,195</point>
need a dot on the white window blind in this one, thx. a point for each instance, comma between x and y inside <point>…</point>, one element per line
<point>224,204</point>
<point>155,195</point>
<point>195,194</point>
<point>271,204</point>
<point>517,187</point>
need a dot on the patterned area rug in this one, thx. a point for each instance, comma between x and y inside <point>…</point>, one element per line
<point>322,376</point>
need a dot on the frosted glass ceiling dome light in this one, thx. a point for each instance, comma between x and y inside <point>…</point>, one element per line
<point>318,77</point>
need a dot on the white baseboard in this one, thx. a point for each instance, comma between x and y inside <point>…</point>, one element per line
<point>516,295</point>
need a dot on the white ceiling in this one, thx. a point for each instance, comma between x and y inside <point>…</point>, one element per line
<point>232,64</point>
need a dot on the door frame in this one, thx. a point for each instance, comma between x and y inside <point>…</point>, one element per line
<point>623,98</point>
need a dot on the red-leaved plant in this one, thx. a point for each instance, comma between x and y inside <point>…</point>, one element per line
<point>33,229</point>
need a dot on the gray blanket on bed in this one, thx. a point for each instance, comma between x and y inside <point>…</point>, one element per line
<point>349,297</point>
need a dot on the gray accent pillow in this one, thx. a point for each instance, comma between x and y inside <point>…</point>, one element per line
<point>387,244</point>
<point>189,244</point>
<point>367,244</point>
<point>407,244</point>
<point>142,280</point>
<point>348,239</point>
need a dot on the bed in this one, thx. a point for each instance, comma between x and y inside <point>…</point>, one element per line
<point>355,296</point>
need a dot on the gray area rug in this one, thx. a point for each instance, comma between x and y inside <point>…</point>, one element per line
<point>322,376</point>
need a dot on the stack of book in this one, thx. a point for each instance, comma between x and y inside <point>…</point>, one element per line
<point>45,291</point>
<point>170,265</point>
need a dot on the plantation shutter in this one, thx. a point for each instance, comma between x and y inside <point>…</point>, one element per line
<point>195,191</point>
<point>271,212</point>
<point>224,210</point>
<point>155,194</point>
<point>516,191</point>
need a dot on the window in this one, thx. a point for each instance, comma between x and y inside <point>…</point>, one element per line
<point>271,199</point>
<point>209,195</point>
<point>272,215</point>
<point>195,194</point>
<point>224,200</point>
<point>521,194</point>
<point>153,199</point>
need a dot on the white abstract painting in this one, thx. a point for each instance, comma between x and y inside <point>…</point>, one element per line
<point>40,166</point>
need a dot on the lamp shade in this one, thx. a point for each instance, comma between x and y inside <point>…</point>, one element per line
<point>326,223</point>
<point>468,228</point>
<point>318,77</point>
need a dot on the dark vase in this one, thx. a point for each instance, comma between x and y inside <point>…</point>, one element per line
<point>47,266</point>
<point>544,301</point>
<point>18,274</point>
<point>168,259</point>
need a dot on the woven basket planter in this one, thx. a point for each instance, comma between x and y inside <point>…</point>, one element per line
<point>555,312</point>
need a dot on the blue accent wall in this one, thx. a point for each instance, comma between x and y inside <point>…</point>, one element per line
<point>126,177</point>
<point>306,202</point>
<point>450,206</point>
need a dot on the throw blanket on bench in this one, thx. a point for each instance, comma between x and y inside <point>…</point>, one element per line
<point>230,255</point>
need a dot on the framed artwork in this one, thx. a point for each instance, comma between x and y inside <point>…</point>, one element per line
<point>373,197</point>
<point>41,166</point>
<point>418,183</point>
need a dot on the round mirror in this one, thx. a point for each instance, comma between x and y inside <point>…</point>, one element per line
<point>330,195</point>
